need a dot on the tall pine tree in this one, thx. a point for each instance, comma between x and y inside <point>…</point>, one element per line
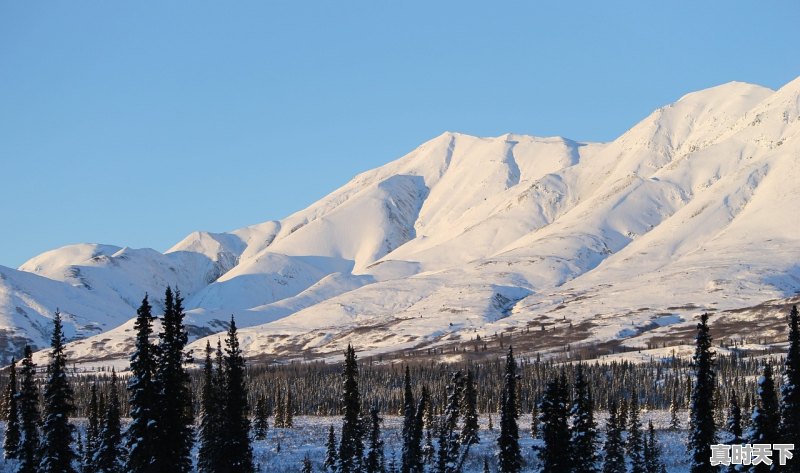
<point>766,415</point>
<point>409,458</point>
<point>175,419</point>
<point>57,432</point>
<point>29,415</point>
<point>554,417</point>
<point>583,434</point>
<point>92,432</point>
<point>211,435</point>
<point>142,433</point>
<point>790,390</point>
<point>652,451</point>
<point>636,441</point>
<point>375,461</point>
<point>237,453</point>
<point>110,452</point>
<point>11,414</point>
<point>510,458</point>
<point>331,454</point>
<point>448,434</point>
<point>734,421</point>
<point>702,431</point>
<point>351,446</point>
<point>614,461</point>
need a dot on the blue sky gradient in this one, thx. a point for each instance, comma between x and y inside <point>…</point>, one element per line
<point>136,123</point>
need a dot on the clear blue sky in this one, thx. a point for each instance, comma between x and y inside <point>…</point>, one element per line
<point>135,123</point>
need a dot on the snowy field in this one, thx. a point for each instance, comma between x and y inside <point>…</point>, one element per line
<point>309,434</point>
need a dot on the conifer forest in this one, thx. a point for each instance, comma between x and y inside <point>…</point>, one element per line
<point>515,412</point>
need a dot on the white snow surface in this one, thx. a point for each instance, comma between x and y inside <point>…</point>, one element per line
<point>694,207</point>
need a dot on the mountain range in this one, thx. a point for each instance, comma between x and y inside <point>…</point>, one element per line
<point>693,209</point>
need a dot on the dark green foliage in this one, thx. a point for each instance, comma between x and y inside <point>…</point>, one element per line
<point>409,457</point>
<point>636,441</point>
<point>261,419</point>
<point>331,455</point>
<point>142,433</point>
<point>510,458</point>
<point>28,415</point>
<point>702,431</point>
<point>237,452</point>
<point>175,433</point>
<point>375,460</point>
<point>447,460</point>
<point>734,422</point>
<point>614,461</point>
<point>554,417</point>
<point>211,408</point>
<point>308,467</point>
<point>790,390</point>
<point>110,452</point>
<point>57,433</point>
<point>766,415</point>
<point>583,434</point>
<point>652,451</point>
<point>288,409</point>
<point>92,433</point>
<point>469,408</point>
<point>351,446</point>
<point>12,438</point>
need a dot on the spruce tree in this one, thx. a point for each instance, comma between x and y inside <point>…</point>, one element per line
<point>237,452</point>
<point>583,434</point>
<point>211,407</point>
<point>790,390</point>
<point>766,415</point>
<point>57,433</point>
<point>29,415</point>
<point>636,442</point>
<point>652,451</point>
<point>555,455</point>
<point>424,423</point>
<point>260,421</point>
<point>734,421</point>
<point>142,433</point>
<point>280,411</point>
<point>12,438</point>
<point>510,458</point>
<point>288,414</point>
<point>614,461</point>
<point>331,455</point>
<point>308,467</point>
<point>535,420</point>
<point>702,431</point>
<point>469,401</point>
<point>92,432</point>
<point>449,444</point>
<point>408,458</point>
<point>175,433</point>
<point>674,419</point>
<point>110,452</point>
<point>375,460</point>
<point>351,447</point>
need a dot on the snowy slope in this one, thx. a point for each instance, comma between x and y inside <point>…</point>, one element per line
<point>691,208</point>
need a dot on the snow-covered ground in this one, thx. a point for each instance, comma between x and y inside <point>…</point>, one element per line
<point>690,210</point>
<point>309,434</point>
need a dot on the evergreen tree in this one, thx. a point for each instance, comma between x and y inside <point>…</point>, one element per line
<point>280,412</point>
<point>674,419</point>
<point>308,467</point>
<point>11,413</point>
<point>375,460</point>
<point>701,418</point>
<point>535,420</point>
<point>175,433</point>
<point>409,457</point>
<point>260,422</point>
<point>652,451</point>
<point>766,415</point>
<point>57,432</point>
<point>425,421</point>
<point>510,458</point>
<point>469,431</point>
<point>636,442</point>
<point>237,452</point>
<point>331,455</point>
<point>583,434</point>
<point>110,452</point>
<point>555,456</point>
<point>288,420</point>
<point>29,415</point>
<point>351,447</point>
<point>211,407</point>
<point>486,465</point>
<point>92,432</point>
<point>614,461</point>
<point>734,421</point>
<point>142,433</point>
<point>790,390</point>
<point>447,461</point>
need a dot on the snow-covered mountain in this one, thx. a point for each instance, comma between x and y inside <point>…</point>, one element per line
<point>694,208</point>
